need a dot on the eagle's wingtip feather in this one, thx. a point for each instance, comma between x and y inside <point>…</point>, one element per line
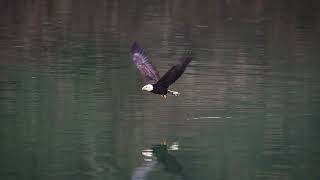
<point>135,47</point>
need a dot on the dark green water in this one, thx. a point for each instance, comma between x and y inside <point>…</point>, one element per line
<point>71,105</point>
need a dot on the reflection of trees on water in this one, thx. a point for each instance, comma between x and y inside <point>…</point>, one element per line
<point>72,55</point>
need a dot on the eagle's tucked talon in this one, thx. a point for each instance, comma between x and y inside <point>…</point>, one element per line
<point>164,97</point>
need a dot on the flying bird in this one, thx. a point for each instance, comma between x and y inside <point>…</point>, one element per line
<point>154,83</point>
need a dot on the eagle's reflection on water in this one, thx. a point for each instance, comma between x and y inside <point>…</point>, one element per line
<point>158,154</point>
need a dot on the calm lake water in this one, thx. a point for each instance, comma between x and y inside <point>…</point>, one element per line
<point>71,105</point>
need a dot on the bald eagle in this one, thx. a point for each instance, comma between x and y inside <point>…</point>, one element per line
<point>154,83</point>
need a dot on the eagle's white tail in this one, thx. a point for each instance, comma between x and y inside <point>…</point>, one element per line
<point>175,93</point>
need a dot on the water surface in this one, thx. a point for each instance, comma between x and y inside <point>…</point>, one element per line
<point>71,105</point>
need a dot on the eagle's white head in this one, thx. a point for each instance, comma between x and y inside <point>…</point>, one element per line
<point>148,87</point>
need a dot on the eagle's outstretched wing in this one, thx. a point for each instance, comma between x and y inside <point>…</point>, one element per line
<point>141,60</point>
<point>174,73</point>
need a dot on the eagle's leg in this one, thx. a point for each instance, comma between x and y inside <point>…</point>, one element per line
<point>163,141</point>
<point>164,97</point>
<point>175,93</point>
